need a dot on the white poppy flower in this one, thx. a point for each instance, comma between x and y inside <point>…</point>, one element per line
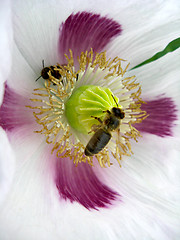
<point>56,192</point>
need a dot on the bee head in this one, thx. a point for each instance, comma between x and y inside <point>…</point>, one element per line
<point>44,72</point>
<point>118,112</point>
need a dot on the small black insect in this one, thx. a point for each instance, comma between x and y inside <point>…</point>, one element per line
<point>54,72</point>
<point>102,135</point>
<point>52,69</point>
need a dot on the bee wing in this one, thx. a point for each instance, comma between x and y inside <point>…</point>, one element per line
<point>97,142</point>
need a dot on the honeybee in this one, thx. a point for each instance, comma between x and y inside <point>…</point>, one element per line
<point>54,72</point>
<point>45,71</point>
<point>102,135</point>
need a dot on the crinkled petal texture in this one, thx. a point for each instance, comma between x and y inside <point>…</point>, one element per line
<point>50,199</point>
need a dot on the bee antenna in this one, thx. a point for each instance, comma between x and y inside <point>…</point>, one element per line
<point>114,100</point>
<point>43,63</point>
<point>38,78</point>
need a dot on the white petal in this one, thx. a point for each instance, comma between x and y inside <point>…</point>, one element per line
<point>7,165</point>
<point>160,76</point>
<point>149,184</point>
<point>37,29</point>
<point>142,44</point>
<point>33,208</point>
<point>147,27</point>
<point>5,43</point>
<point>24,214</point>
<point>22,79</point>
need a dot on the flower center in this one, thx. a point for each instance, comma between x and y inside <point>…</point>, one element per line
<point>87,112</point>
<point>86,104</point>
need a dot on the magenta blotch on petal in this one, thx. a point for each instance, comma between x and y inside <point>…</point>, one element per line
<point>13,112</point>
<point>83,31</point>
<point>80,184</point>
<point>162,114</point>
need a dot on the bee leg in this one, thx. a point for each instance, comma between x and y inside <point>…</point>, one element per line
<point>94,128</point>
<point>77,76</point>
<point>107,111</point>
<point>97,119</point>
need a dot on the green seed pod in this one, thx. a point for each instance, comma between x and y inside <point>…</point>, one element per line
<point>87,102</point>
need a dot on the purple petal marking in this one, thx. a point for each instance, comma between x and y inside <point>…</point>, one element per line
<point>80,184</point>
<point>162,114</point>
<point>13,112</point>
<point>83,31</point>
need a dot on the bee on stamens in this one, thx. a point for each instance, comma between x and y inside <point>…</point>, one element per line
<point>51,69</point>
<point>54,70</point>
<point>102,135</point>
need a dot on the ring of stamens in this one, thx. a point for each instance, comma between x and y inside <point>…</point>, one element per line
<point>50,100</point>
